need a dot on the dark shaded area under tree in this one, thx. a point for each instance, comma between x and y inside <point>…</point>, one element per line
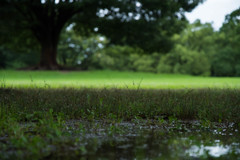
<point>46,19</point>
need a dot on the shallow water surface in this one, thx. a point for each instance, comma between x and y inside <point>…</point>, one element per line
<point>161,140</point>
<point>138,139</point>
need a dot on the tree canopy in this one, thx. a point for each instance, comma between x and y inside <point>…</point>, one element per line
<point>147,24</point>
<point>227,58</point>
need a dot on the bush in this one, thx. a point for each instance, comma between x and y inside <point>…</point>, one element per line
<point>113,58</point>
<point>102,61</point>
<point>116,58</point>
<point>164,68</point>
<point>143,63</point>
<point>3,58</point>
<point>124,58</point>
<point>226,63</point>
<point>12,60</point>
<point>184,61</point>
<point>237,68</point>
<point>223,68</point>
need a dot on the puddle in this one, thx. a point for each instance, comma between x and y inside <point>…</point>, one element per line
<point>214,151</point>
<point>150,140</point>
<point>147,139</point>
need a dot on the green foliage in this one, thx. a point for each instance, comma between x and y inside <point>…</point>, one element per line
<point>237,69</point>
<point>227,59</point>
<point>143,63</point>
<point>3,58</point>
<point>143,24</point>
<point>29,137</point>
<point>124,58</point>
<point>224,63</point>
<point>184,61</point>
<point>77,51</point>
<point>198,37</point>
<point>70,49</point>
<point>103,61</point>
<point>10,59</point>
<point>197,50</point>
<point>114,57</point>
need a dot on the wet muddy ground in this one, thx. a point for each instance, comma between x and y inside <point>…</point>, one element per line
<point>138,139</point>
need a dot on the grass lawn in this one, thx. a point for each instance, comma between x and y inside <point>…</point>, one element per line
<point>125,95</point>
<point>112,79</point>
<point>117,115</point>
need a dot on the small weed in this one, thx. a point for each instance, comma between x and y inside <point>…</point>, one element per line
<point>161,121</point>
<point>206,123</point>
<point>114,129</point>
<point>172,119</point>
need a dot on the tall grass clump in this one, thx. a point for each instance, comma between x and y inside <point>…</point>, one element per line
<point>201,104</point>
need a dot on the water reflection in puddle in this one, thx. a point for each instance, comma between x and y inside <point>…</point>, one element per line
<point>150,140</point>
<point>214,151</point>
<point>142,139</point>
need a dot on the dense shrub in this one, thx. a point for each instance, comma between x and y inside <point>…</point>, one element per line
<point>142,63</point>
<point>226,63</point>
<point>113,58</point>
<point>125,58</point>
<point>180,60</point>
<point>184,61</point>
<point>102,61</point>
<point>12,60</point>
<point>3,58</point>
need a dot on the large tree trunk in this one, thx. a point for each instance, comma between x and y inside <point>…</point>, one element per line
<point>48,37</point>
<point>46,20</point>
<point>48,59</point>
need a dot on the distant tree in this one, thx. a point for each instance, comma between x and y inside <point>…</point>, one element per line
<point>143,23</point>
<point>198,36</point>
<point>226,61</point>
<point>114,57</point>
<point>184,61</point>
<point>193,52</point>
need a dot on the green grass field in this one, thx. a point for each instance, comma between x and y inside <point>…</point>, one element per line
<point>111,79</point>
<point>104,114</point>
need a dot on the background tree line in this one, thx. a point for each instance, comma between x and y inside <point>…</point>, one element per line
<point>165,45</point>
